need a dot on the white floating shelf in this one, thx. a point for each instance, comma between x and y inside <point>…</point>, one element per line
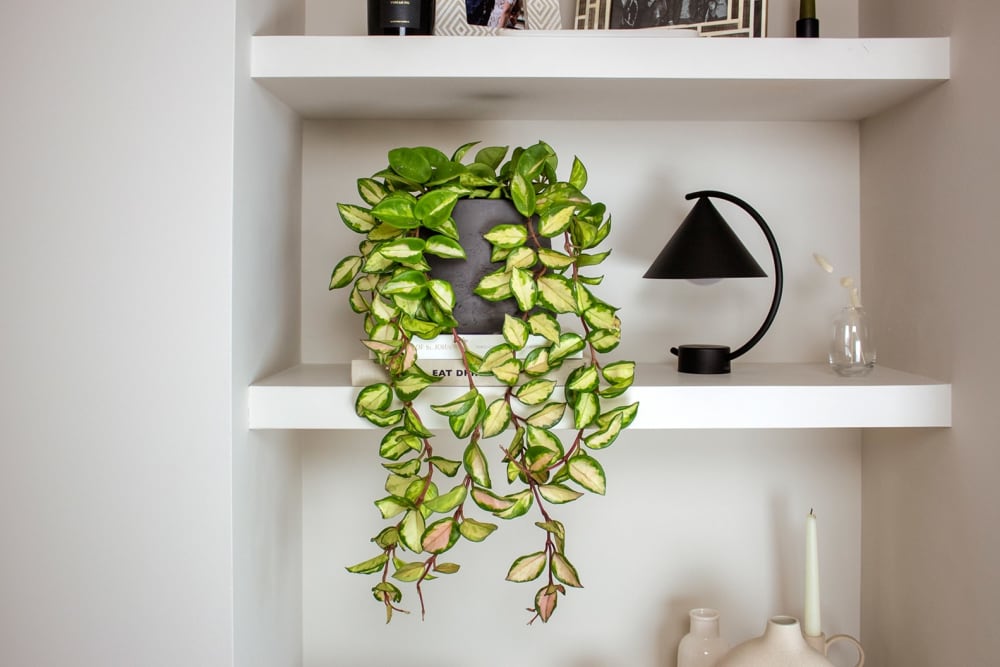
<point>602,75</point>
<point>765,396</point>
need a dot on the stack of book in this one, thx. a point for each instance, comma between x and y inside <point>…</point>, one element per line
<point>440,357</point>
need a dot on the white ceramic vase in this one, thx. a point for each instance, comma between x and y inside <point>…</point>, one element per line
<point>781,645</point>
<point>702,646</point>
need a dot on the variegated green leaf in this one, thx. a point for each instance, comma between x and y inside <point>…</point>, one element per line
<point>522,193</point>
<point>345,271</point>
<point>543,437</point>
<point>521,258</point>
<point>407,283</point>
<point>554,259</point>
<point>475,531</point>
<point>447,466</point>
<point>494,286</point>
<point>495,356</point>
<point>535,392</point>
<point>442,246</point>
<point>411,467</point>
<point>548,416</point>
<point>588,473</point>
<point>539,458</point>
<point>556,220</point>
<point>448,501</point>
<point>601,316</point>
<point>604,340</point>
<point>390,506</point>
<point>442,293</point>
<point>389,537</point>
<point>578,174</point>
<point>411,383</point>
<point>497,418</point>
<point>620,372</point>
<point>507,236</point>
<point>606,436</point>
<point>476,466</point>
<point>402,249</point>
<point>546,326</point>
<point>382,311</point>
<point>398,442</point>
<point>377,263</point>
<point>397,210</point>
<point>558,494</point>
<point>411,531</point>
<point>447,568</point>
<point>357,219</point>
<point>515,331</point>
<point>371,565</point>
<point>371,191</point>
<point>564,571</point>
<point>522,503</point>
<point>373,397</point>
<point>586,407</point>
<point>409,571</point>
<point>464,424</point>
<point>536,363</point>
<point>524,288</point>
<point>509,372</point>
<point>584,378</point>
<point>627,412</point>
<point>569,343</point>
<point>458,406</point>
<point>555,292</point>
<point>527,568</point>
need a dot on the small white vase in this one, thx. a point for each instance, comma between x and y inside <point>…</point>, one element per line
<point>702,646</point>
<point>781,645</point>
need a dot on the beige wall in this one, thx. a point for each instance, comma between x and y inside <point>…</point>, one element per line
<point>930,171</point>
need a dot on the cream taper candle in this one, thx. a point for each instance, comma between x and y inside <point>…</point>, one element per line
<point>811,624</point>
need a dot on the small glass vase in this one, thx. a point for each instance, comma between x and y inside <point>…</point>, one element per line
<point>852,347</point>
<point>702,647</point>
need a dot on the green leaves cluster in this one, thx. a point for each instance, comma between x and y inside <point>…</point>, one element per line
<point>547,433</point>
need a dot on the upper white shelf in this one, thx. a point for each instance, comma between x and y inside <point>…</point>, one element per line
<point>596,75</point>
<point>316,396</point>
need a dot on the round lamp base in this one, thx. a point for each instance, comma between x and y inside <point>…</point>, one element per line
<point>702,359</point>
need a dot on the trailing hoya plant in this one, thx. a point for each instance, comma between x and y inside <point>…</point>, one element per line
<point>433,502</point>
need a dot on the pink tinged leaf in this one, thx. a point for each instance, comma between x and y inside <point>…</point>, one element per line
<point>545,602</point>
<point>440,536</point>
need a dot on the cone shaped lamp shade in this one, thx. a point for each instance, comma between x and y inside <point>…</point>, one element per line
<point>705,247</point>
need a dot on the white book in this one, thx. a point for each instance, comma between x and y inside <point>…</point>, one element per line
<point>451,371</point>
<point>444,346</point>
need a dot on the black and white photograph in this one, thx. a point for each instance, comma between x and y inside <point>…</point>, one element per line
<point>709,17</point>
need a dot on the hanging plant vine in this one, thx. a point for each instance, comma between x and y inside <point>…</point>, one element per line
<point>407,218</point>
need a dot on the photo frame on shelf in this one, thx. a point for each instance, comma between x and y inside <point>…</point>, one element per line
<point>711,18</point>
<point>489,17</point>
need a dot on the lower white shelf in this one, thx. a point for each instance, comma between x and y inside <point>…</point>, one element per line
<point>753,396</point>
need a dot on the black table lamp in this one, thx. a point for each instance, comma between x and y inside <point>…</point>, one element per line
<point>705,247</point>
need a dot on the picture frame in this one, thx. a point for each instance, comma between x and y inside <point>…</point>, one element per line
<point>711,18</point>
<point>452,16</point>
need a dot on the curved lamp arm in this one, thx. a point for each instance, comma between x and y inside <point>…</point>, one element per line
<point>775,256</point>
